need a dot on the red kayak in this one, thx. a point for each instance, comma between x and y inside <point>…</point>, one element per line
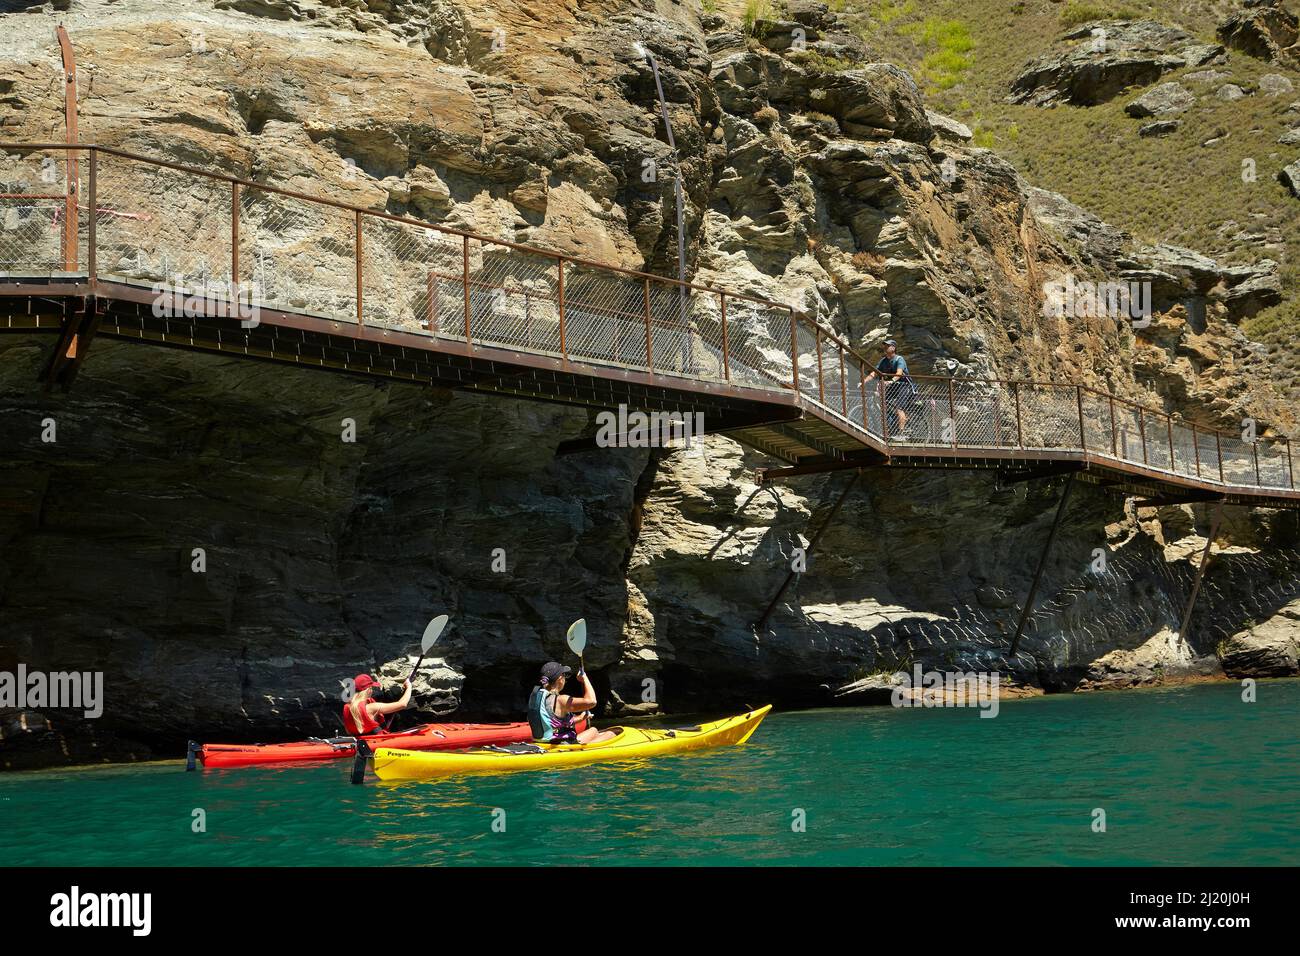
<point>424,737</point>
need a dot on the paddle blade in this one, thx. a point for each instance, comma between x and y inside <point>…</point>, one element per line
<point>577,636</point>
<point>433,632</point>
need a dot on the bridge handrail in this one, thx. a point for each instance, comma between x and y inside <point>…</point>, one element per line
<point>716,352</point>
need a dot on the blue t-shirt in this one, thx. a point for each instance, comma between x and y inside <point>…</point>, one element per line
<point>889,366</point>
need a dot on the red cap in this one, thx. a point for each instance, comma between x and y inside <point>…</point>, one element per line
<point>362,681</point>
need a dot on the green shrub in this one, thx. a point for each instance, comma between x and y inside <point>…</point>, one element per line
<point>821,63</point>
<point>948,44</point>
<point>758,13</point>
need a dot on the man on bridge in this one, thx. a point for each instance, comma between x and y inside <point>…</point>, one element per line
<point>899,390</point>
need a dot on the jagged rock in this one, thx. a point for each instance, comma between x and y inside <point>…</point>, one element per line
<point>1103,58</point>
<point>1290,178</point>
<point>1260,287</point>
<point>271,9</point>
<point>1265,29</point>
<point>1290,138</point>
<point>1159,128</point>
<point>1270,649</point>
<point>947,128</point>
<point>1162,658</point>
<point>1167,99</point>
<point>1275,84</point>
<point>876,100</point>
<point>1230,92</point>
<point>1206,76</point>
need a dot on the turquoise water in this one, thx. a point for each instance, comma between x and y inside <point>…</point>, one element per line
<point>1186,776</point>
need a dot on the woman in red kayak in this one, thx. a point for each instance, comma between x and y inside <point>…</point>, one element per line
<point>551,713</point>
<point>363,714</point>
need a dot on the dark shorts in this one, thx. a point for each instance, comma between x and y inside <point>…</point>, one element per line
<point>899,395</point>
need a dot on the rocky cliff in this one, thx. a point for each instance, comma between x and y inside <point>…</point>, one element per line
<point>811,175</point>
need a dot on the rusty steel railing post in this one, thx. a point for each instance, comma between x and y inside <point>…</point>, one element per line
<point>1114,433</point>
<point>1218,447</point>
<point>952,410</point>
<point>564,351</point>
<point>1290,465</point>
<point>844,383</point>
<point>1169,426</point>
<point>92,259</point>
<point>884,411</point>
<point>1020,431</point>
<point>726,359</point>
<point>1142,431</point>
<point>649,343</point>
<point>71,169</point>
<point>821,382</point>
<point>360,270</point>
<point>862,395</point>
<point>1196,450</point>
<point>234,240</point>
<point>1259,479</point>
<point>431,282</point>
<point>794,350</point>
<point>468,305</point>
<point>1083,432</point>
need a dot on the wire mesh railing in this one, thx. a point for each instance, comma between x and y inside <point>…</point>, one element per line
<point>116,217</point>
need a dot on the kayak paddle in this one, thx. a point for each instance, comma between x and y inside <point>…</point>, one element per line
<point>431,635</point>
<point>577,639</point>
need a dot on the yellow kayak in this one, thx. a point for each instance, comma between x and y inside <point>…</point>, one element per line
<point>632,743</point>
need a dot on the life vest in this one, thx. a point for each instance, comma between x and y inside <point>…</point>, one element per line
<point>545,723</point>
<point>369,725</point>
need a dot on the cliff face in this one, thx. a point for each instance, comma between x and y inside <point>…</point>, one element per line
<point>832,189</point>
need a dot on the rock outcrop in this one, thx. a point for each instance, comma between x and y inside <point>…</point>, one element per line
<point>1290,178</point>
<point>1263,28</point>
<point>830,189</point>
<point>1099,60</point>
<point>1167,99</point>
<point>1271,649</point>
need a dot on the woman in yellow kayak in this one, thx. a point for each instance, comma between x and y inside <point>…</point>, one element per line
<point>363,715</point>
<point>551,713</point>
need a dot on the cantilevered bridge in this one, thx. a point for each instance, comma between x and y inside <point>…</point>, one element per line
<point>96,241</point>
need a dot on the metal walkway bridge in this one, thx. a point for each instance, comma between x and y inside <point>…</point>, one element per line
<point>96,241</point>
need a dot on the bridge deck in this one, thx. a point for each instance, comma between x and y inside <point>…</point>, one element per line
<point>93,243</point>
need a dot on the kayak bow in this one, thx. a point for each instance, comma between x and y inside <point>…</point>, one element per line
<point>631,743</point>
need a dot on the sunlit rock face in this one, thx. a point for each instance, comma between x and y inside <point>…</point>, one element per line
<point>322,557</point>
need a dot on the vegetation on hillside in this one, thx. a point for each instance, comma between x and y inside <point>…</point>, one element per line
<point>1211,185</point>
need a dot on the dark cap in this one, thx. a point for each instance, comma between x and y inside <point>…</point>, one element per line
<point>891,342</point>
<point>552,670</point>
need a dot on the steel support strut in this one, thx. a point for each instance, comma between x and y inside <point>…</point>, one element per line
<point>853,480</point>
<point>1042,563</point>
<point>1200,571</point>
